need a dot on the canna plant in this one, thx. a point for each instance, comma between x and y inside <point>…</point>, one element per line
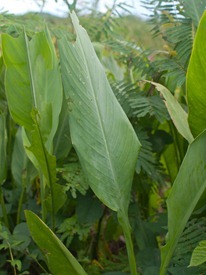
<point>105,141</point>
<point>87,122</point>
<point>34,95</point>
<point>107,148</point>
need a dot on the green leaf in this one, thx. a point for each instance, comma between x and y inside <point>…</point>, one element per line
<point>34,93</point>
<point>185,194</point>
<point>59,260</point>
<point>196,81</point>
<point>33,82</point>
<point>102,135</point>
<point>3,151</point>
<point>20,164</point>
<point>199,254</point>
<point>62,135</point>
<point>177,113</point>
<point>194,9</point>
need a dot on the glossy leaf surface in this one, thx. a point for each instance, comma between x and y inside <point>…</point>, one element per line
<point>60,261</point>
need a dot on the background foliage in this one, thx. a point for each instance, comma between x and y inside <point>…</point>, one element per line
<point>131,51</point>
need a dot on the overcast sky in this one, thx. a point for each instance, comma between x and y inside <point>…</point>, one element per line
<point>59,8</point>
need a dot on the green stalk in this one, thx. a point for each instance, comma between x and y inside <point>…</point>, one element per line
<point>2,202</point>
<point>21,197</point>
<point>12,258</point>
<point>124,222</point>
<point>42,194</point>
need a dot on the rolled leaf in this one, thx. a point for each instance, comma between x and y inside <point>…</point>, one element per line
<point>177,113</point>
<point>102,135</point>
<point>185,194</point>
<point>59,260</point>
<point>196,81</point>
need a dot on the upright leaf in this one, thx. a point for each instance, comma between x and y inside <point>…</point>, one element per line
<point>100,131</point>
<point>186,192</point>
<point>177,113</point>
<point>33,81</point>
<point>196,81</point>
<point>3,145</point>
<point>34,93</point>
<point>60,261</point>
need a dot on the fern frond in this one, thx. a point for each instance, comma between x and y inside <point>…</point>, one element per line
<point>194,232</point>
<point>147,161</point>
<point>176,22</point>
<point>124,92</point>
<point>149,105</point>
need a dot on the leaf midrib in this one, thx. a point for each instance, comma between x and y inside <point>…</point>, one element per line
<point>97,107</point>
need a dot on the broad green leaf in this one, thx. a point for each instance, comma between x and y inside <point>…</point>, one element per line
<point>194,8</point>
<point>199,254</point>
<point>33,82</point>
<point>185,194</point>
<point>102,135</point>
<point>3,150</point>
<point>59,260</point>
<point>34,93</point>
<point>196,81</point>
<point>177,113</point>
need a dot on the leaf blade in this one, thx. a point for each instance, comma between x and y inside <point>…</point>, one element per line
<point>185,194</point>
<point>178,115</point>
<point>60,260</point>
<point>196,83</point>
<point>96,117</point>
<point>199,254</point>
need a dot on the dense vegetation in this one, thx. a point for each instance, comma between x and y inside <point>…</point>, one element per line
<point>102,143</point>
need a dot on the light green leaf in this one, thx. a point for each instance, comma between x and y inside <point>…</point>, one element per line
<point>196,81</point>
<point>59,260</point>
<point>194,9</point>
<point>33,82</point>
<point>185,194</point>
<point>3,145</point>
<point>177,113</point>
<point>42,159</point>
<point>102,135</point>
<point>199,254</point>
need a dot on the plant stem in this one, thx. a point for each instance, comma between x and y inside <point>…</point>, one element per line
<point>124,222</point>
<point>42,194</point>
<point>2,202</point>
<point>21,197</point>
<point>12,258</point>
